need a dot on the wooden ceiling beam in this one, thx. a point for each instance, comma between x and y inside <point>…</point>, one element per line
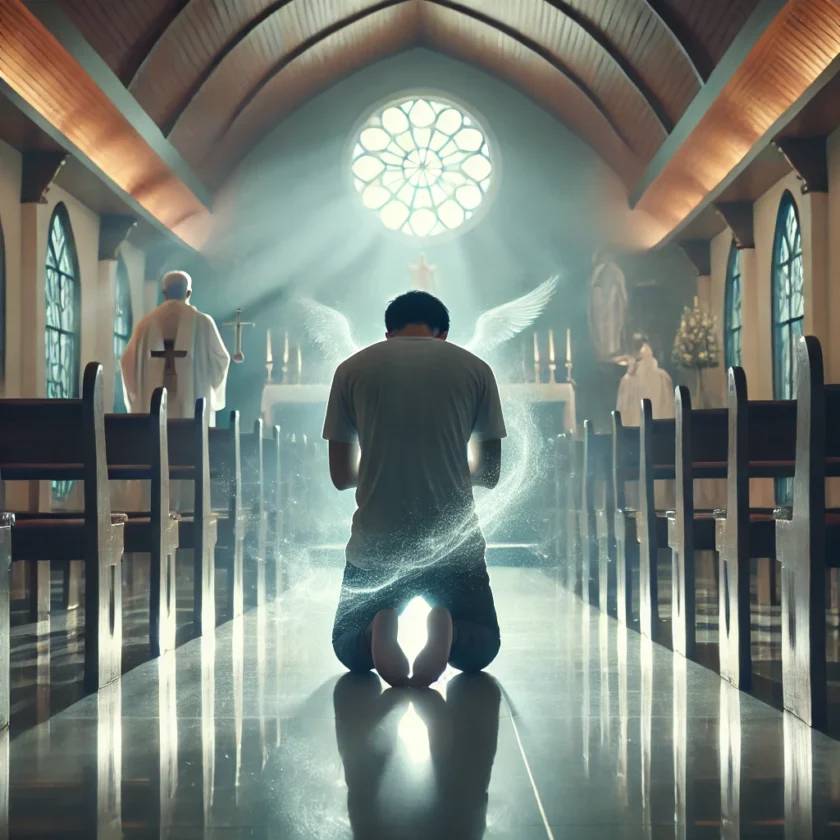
<point>687,42</point>
<point>808,158</point>
<point>517,36</point>
<point>39,172</point>
<point>625,67</point>
<point>738,217</point>
<point>110,142</point>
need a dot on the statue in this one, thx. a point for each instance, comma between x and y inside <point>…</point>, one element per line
<point>607,308</point>
<point>644,380</point>
<point>423,275</point>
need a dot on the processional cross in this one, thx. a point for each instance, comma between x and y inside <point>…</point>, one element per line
<point>169,354</point>
<point>238,355</point>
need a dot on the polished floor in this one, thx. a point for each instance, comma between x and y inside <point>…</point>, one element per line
<point>580,730</point>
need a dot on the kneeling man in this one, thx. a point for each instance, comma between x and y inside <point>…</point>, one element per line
<point>412,404</point>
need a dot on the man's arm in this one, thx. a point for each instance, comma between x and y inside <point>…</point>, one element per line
<point>219,356</point>
<point>340,431</point>
<point>344,465</point>
<point>487,466</point>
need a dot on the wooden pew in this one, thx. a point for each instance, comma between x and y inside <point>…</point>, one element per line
<point>275,507</point>
<point>625,465</point>
<point>657,459</point>
<point>596,527</point>
<point>65,440</point>
<point>254,503</point>
<point>188,444</point>
<point>136,448</point>
<point>762,444</point>
<point>574,552</point>
<point>808,539</point>
<point>701,452</point>
<point>227,504</point>
<point>7,520</point>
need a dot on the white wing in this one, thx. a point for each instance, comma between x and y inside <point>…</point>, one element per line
<point>496,326</point>
<point>329,329</point>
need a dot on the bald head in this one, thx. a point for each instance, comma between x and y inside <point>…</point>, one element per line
<point>177,285</point>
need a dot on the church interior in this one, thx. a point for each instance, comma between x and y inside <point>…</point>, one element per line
<point>631,209</point>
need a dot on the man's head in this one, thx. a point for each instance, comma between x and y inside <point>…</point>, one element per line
<point>177,285</point>
<point>416,314</point>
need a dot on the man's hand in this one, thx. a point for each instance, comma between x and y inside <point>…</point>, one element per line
<point>487,465</point>
<point>344,465</point>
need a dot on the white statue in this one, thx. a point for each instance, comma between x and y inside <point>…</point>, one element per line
<point>331,330</point>
<point>607,308</point>
<point>644,380</point>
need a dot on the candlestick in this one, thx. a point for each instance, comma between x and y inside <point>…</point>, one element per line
<point>569,356</point>
<point>537,376</point>
<point>269,357</point>
<point>552,367</point>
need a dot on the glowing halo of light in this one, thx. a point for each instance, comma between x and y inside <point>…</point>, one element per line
<point>424,164</point>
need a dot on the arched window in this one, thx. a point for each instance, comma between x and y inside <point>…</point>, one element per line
<point>788,311</point>
<point>123,324</point>
<point>62,297</point>
<point>732,308</point>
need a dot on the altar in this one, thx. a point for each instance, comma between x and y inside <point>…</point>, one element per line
<point>549,393</point>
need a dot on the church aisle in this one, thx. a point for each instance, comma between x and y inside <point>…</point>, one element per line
<point>583,732</point>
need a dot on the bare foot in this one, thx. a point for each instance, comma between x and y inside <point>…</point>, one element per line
<point>388,658</point>
<point>431,661</point>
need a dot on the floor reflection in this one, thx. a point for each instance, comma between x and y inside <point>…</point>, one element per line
<point>417,764</point>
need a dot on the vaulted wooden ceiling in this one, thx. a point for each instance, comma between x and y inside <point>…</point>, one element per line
<point>216,75</point>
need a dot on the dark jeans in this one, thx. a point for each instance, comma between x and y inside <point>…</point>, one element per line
<point>463,589</point>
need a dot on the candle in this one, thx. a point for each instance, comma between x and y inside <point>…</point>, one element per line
<point>568,345</point>
<point>299,360</point>
<point>269,357</point>
<point>551,346</point>
<point>286,349</point>
<point>536,350</point>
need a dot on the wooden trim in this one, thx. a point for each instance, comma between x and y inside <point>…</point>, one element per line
<point>807,157</point>
<point>738,216</point>
<point>699,253</point>
<point>59,90</point>
<point>113,231</point>
<point>40,170</point>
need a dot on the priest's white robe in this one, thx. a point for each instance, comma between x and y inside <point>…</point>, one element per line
<point>201,373</point>
<point>645,380</point>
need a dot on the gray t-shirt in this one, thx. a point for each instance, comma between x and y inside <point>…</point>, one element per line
<point>413,404</point>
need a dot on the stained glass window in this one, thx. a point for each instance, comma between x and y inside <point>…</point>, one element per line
<point>62,321</point>
<point>788,311</point>
<point>424,165</point>
<point>732,308</point>
<point>123,323</point>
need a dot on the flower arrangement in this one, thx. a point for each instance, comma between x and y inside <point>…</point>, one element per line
<point>696,343</point>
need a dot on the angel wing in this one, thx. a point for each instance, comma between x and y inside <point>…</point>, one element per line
<point>329,329</point>
<point>498,325</point>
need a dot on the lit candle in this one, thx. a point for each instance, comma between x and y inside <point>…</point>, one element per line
<point>269,357</point>
<point>568,345</point>
<point>551,346</point>
<point>286,349</point>
<point>300,361</point>
<point>536,350</point>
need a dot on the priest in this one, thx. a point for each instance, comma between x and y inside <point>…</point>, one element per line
<point>177,346</point>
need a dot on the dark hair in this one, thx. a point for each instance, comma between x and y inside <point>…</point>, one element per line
<point>416,307</point>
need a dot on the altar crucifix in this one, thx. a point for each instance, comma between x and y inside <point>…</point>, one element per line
<point>423,275</point>
<point>238,355</point>
<point>169,354</point>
